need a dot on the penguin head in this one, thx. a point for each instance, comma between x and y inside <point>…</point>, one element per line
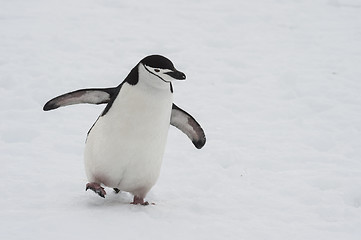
<point>162,67</point>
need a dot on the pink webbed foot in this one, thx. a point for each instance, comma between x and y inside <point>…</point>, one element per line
<point>96,188</point>
<point>138,200</point>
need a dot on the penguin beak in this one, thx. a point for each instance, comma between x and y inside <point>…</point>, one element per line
<point>177,75</point>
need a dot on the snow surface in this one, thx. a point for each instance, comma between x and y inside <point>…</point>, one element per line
<point>275,84</point>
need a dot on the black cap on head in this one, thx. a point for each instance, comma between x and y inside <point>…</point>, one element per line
<point>158,61</point>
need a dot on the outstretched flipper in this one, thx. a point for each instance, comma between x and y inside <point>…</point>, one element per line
<point>188,125</point>
<point>90,95</point>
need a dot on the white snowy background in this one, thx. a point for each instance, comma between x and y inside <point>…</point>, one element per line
<point>275,84</point>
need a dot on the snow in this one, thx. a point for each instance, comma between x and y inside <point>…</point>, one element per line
<point>274,83</point>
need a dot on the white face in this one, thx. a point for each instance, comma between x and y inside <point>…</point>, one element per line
<point>166,75</point>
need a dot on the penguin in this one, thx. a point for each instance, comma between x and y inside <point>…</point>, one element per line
<point>125,146</point>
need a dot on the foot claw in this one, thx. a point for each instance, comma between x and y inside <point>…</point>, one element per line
<point>143,203</point>
<point>138,200</point>
<point>96,188</point>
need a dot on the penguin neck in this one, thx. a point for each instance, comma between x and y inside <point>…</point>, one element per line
<point>151,81</point>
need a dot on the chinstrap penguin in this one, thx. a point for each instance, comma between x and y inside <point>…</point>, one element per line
<point>125,146</point>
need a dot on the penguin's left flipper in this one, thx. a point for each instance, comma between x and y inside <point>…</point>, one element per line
<point>90,95</point>
<point>188,125</point>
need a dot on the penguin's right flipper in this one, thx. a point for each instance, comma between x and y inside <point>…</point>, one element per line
<point>90,95</point>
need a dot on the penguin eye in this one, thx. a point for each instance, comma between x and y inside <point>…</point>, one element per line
<point>157,70</point>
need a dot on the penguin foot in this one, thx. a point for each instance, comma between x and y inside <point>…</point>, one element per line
<point>138,200</point>
<point>96,188</point>
<point>116,190</point>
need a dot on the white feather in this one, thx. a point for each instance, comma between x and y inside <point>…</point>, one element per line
<point>125,147</point>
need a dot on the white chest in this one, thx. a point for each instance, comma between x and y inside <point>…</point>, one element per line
<point>125,147</point>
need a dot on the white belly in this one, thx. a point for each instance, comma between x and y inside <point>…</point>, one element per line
<point>125,147</point>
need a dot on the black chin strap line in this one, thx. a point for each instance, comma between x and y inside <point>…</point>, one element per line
<point>155,74</point>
